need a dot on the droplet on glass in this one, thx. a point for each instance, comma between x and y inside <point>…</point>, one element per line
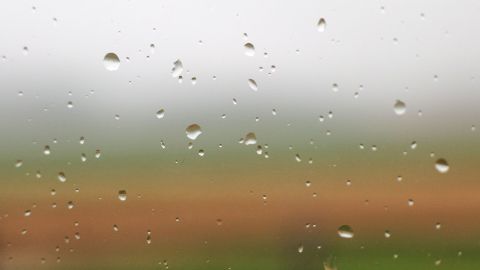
<point>61,177</point>
<point>249,49</point>
<point>160,114</point>
<point>177,68</point>
<point>193,131</point>
<point>46,150</point>
<point>321,25</point>
<point>441,165</point>
<point>399,107</point>
<point>252,84</point>
<point>345,231</point>
<point>122,195</point>
<point>250,139</point>
<point>111,62</point>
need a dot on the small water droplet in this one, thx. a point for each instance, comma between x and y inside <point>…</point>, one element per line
<point>399,107</point>
<point>250,139</point>
<point>160,114</point>
<point>61,177</point>
<point>252,84</point>
<point>249,49</point>
<point>193,131</point>
<point>345,231</point>
<point>177,68</point>
<point>321,25</point>
<point>387,234</point>
<point>122,195</point>
<point>300,249</point>
<point>441,165</point>
<point>46,150</point>
<point>111,62</point>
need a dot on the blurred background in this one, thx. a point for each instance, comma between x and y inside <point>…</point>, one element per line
<point>234,135</point>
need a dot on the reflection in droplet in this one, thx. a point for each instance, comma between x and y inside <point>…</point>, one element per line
<point>399,107</point>
<point>345,231</point>
<point>249,49</point>
<point>193,131</point>
<point>252,84</point>
<point>111,62</point>
<point>441,165</point>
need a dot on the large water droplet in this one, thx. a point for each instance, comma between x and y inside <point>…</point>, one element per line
<point>252,84</point>
<point>160,114</point>
<point>177,68</point>
<point>441,165</point>
<point>399,107</point>
<point>193,131</point>
<point>321,25</point>
<point>250,139</point>
<point>61,177</point>
<point>249,49</point>
<point>111,62</point>
<point>345,231</point>
<point>122,195</point>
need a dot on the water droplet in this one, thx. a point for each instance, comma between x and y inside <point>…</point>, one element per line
<point>193,131</point>
<point>411,202</point>
<point>160,114</point>
<point>321,25</point>
<point>249,49</point>
<point>115,228</point>
<point>122,195</point>
<point>82,140</point>
<point>27,213</point>
<point>300,249</point>
<point>252,84</point>
<point>345,231</point>
<point>250,139</point>
<point>70,104</point>
<point>201,152</point>
<point>399,107</point>
<point>61,177</point>
<point>177,68</point>
<point>46,150</point>
<point>111,62</point>
<point>18,163</point>
<point>438,226</point>
<point>335,87</point>
<point>387,234</point>
<point>297,158</point>
<point>441,165</point>
<point>25,50</point>
<point>98,153</point>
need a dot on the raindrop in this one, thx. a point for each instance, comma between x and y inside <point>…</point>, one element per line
<point>249,49</point>
<point>160,114</point>
<point>61,177</point>
<point>399,107</point>
<point>387,234</point>
<point>252,84</point>
<point>27,213</point>
<point>177,68</point>
<point>441,165</point>
<point>122,195</point>
<point>111,62</point>
<point>321,25</point>
<point>250,139</point>
<point>345,231</point>
<point>300,249</point>
<point>193,131</point>
<point>18,163</point>
<point>46,150</point>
